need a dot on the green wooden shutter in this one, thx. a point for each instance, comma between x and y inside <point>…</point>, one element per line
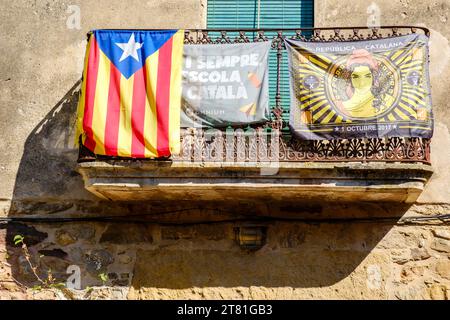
<point>273,14</point>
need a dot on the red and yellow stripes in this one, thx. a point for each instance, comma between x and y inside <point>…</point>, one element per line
<point>137,117</point>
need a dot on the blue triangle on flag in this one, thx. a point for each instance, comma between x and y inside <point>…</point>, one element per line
<point>112,42</point>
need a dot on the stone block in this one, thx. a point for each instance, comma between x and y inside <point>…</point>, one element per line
<point>98,260</point>
<point>443,268</point>
<point>125,259</point>
<point>57,253</point>
<point>419,254</point>
<point>65,238</point>
<point>31,235</point>
<point>438,292</point>
<point>126,234</point>
<point>441,245</point>
<point>177,233</point>
<point>444,234</point>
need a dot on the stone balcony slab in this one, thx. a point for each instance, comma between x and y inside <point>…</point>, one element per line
<point>133,180</point>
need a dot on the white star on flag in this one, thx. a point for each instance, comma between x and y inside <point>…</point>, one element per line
<point>130,48</point>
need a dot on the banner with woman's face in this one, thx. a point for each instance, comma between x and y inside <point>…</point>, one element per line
<point>356,89</point>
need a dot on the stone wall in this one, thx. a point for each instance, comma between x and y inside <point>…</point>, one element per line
<point>383,256</point>
<point>350,260</point>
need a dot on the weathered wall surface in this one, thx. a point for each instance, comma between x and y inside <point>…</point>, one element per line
<point>40,66</point>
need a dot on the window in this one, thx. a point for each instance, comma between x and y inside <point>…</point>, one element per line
<point>264,14</point>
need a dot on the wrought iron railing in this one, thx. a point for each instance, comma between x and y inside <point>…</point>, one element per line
<point>271,141</point>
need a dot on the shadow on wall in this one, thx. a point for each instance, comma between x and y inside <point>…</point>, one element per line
<point>46,180</point>
<point>297,254</point>
<point>47,169</point>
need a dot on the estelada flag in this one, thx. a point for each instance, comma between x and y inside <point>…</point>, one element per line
<point>131,93</point>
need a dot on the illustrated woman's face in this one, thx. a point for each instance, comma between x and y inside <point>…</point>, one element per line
<point>362,77</point>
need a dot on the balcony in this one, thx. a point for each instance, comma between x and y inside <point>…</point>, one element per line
<point>266,162</point>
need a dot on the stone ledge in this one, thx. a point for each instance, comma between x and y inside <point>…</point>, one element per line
<point>311,181</point>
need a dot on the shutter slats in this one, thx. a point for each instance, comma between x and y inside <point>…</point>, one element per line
<point>273,14</point>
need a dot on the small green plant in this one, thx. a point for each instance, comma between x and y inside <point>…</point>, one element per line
<point>104,277</point>
<point>37,288</point>
<point>18,239</point>
<point>50,281</point>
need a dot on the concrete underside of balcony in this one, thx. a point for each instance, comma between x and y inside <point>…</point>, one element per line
<point>282,181</point>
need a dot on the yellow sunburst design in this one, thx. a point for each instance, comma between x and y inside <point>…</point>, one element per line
<point>322,87</point>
